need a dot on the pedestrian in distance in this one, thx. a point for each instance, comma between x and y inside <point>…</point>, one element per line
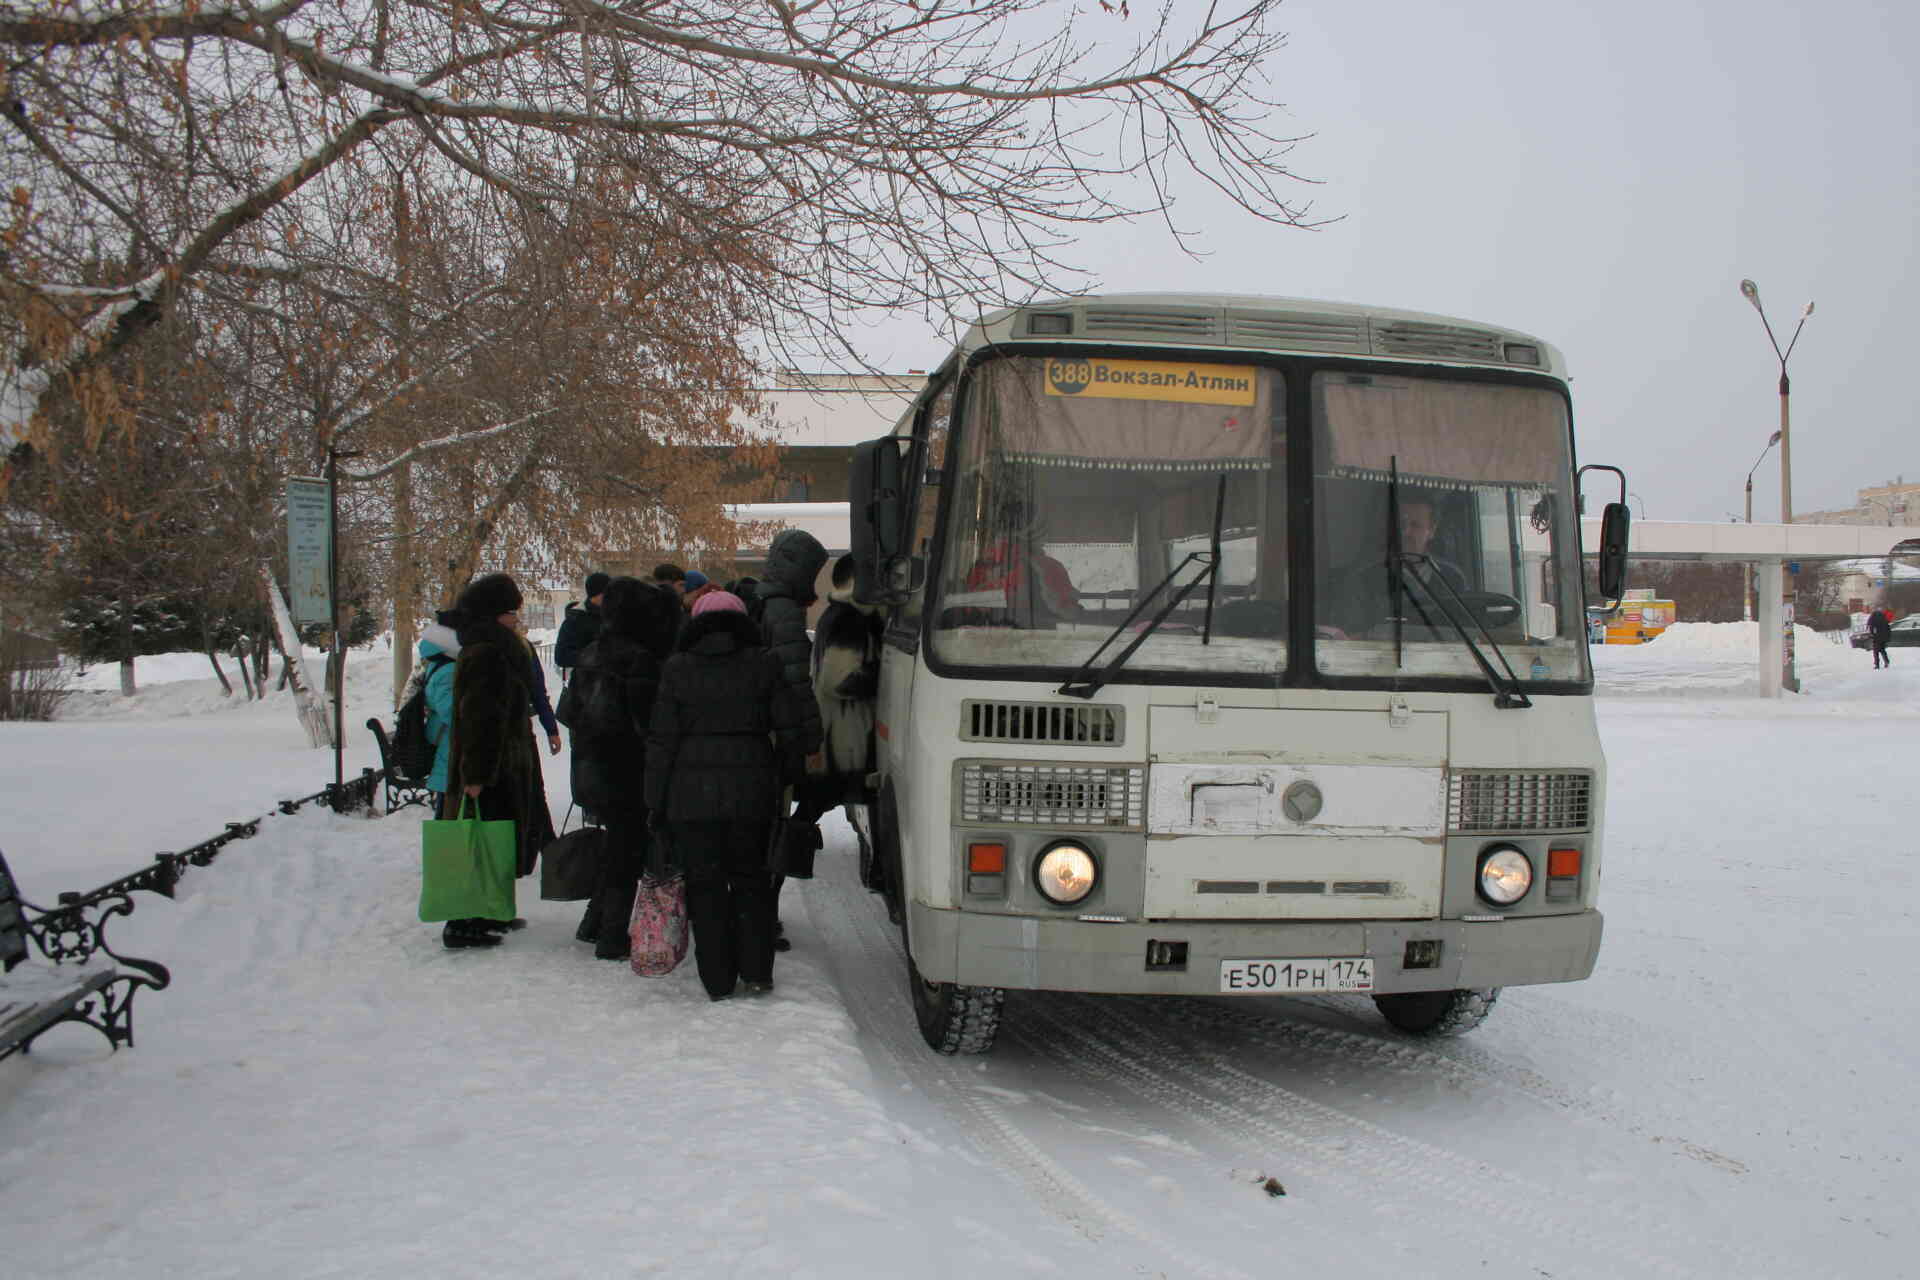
<point>615,684</point>
<point>667,574</point>
<point>492,758</point>
<point>1879,631</point>
<point>724,739</point>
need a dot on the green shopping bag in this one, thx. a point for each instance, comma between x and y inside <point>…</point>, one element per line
<point>466,868</point>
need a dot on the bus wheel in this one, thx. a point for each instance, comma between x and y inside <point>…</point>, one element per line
<point>1437,1013</point>
<point>953,1018</point>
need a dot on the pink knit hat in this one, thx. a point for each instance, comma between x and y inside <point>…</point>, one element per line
<point>724,601</point>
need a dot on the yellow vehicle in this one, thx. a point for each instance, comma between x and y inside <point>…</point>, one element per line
<point>1640,619</point>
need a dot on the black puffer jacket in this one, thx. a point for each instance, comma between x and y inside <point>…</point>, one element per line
<point>726,728</point>
<point>578,629</point>
<point>786,590</point>
<point>615,683</point>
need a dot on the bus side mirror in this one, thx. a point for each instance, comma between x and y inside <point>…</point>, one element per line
<point>884,570</point>
<point>1612,567</point>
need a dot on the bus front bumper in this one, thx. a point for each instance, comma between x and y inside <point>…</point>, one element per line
<point>1027,953</point>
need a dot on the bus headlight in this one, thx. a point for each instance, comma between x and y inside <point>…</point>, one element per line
<point>1066,873</point>
<point>1505,875</point>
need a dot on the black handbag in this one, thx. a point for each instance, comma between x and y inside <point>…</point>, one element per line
<point>570,865</point>
<point>790,851</point>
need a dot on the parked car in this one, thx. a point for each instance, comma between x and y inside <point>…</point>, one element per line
<point>1905,633</point>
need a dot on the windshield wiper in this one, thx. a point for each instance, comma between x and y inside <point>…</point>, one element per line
<point>1213,580</point>
<point>1419,570</point>
<point>1081,685</point>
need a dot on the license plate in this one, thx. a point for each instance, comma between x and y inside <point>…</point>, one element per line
<point>1295,976</point>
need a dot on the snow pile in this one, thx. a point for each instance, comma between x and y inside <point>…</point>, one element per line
<point>1722,659</point>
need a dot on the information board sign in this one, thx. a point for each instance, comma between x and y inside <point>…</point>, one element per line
<point>309,526</point>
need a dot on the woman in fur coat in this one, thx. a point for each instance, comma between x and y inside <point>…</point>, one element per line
<point>492,757</point>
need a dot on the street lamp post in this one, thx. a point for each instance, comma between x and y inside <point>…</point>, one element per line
<point>1772,440</point>
<point>1751,292</point>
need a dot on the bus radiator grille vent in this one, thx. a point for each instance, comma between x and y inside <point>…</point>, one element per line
<point>1311,333</point>
<point>1050,724</point>
<point>1054,795</point>
<point>1116,322</point>
<point>1510,802</point>
<point>1441,341</point>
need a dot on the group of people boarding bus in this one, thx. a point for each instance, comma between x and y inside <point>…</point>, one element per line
<point>704,722</point>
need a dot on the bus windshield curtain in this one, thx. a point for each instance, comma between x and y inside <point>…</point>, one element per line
<point>1025,424</point>
<point>1479,433</point>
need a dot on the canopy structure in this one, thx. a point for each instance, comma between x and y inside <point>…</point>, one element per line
<point>1772,549</point>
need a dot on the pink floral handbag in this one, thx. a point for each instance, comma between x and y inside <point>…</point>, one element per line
<point>658,929</point>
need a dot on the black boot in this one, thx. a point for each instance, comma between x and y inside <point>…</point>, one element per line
<point>589,930</point>
<point>504,926</point>
<point>467,933</point>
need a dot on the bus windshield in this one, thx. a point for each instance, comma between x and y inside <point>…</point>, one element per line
<point>1078,484</point>
<point>1441,505</point>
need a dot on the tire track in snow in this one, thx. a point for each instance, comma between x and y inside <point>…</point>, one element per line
<point>1237,1104</point>
<point>1458,1060</point>
<point>889,1019</point>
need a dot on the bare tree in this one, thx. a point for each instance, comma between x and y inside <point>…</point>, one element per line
<point>854,153</point>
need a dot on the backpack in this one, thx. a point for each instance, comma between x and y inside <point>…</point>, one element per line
<point>597,698</point>
<point>412,751</point>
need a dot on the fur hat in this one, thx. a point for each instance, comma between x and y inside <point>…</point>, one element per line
<point>489,596</point>
<point>597,583</point>
<point>718,601</point>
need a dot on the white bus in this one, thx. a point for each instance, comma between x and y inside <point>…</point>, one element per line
<point>1235,646</point>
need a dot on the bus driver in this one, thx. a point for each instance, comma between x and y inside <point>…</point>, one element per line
<point>1358,592</point>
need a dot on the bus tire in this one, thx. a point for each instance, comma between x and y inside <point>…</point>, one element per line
<point>955,1018</point>
<point>1434,1014</point>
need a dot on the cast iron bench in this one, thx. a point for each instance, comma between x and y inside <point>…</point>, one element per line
<point>66,988</point>
<point>401,791</point>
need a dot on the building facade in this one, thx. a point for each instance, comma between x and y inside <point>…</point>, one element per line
<point>1895,503</point>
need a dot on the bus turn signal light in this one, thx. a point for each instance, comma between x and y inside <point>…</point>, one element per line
<point>1563,862</point>
<point>986,859</point>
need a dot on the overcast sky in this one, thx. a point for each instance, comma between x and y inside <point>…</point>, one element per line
<point>1602,176</point>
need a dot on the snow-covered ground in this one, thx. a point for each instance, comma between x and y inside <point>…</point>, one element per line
<point>325,1091</point>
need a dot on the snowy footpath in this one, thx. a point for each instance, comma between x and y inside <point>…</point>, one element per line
<point>325,1091</point>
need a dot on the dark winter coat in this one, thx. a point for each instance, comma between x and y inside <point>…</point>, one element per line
<point>615,683</point>
<point>846,668</point>
<point>726,730</point>
<point>578,629</point>
<point>492,740</point>
<point>1878,627</point>
<point>794,562</point>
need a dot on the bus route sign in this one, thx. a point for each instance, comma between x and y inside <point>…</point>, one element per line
<point>1175,380</point>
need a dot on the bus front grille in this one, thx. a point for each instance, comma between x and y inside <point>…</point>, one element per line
<point>1490,801</point>
<point>1054,795</point>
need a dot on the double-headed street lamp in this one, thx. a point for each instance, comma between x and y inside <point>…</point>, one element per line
<point>1751,292</point>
